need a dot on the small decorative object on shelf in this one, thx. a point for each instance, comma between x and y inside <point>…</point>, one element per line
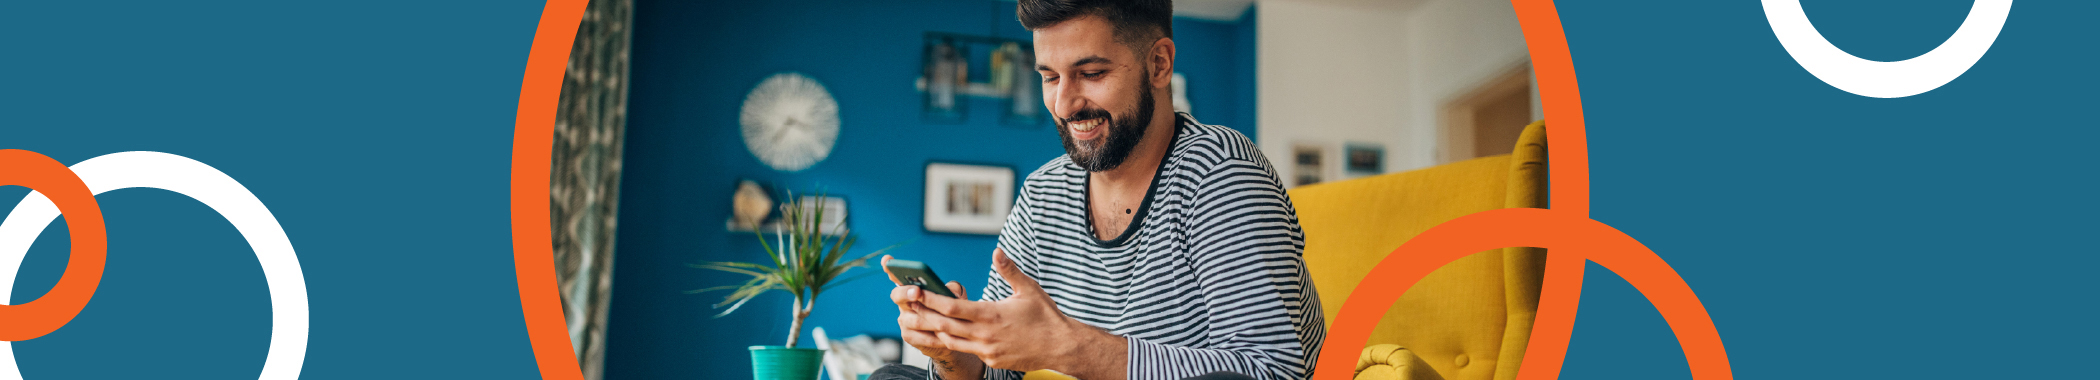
<point>1004,61</point>
<point>1022,85</point>
<point>944,73</point>
<point>752,206</point>
<point>802,261</point>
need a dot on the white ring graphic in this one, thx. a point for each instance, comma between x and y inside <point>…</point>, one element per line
<point>288,313</point>
<point>1887,79</point>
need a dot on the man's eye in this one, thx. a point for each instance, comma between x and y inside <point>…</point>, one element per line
<point>1090,74</point>
<point>1049,79</point>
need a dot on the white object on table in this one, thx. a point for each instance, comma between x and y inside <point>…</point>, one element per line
<point>831,357</point>
<point>913,357</point>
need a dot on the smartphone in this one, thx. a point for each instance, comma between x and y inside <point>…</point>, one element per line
<point>917,273</point>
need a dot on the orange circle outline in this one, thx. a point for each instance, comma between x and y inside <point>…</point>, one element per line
<point>531,165</point>
<point>1563,234</point>
<point>83,274</point>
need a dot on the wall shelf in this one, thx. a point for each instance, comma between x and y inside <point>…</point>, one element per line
<point>976,89</point>
<point>771,226</point>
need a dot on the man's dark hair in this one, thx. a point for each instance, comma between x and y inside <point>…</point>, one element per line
<point>1137,22</point>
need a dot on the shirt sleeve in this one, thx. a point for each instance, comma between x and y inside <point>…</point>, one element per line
<point>1246,248</point>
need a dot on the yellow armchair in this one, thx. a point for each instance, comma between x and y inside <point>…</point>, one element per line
<point>1469,320</point>
<point>1390,361</point>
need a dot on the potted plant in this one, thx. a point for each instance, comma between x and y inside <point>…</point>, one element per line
<point>805,262</point>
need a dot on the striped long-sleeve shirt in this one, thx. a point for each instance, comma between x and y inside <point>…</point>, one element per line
<point>1208,277</point>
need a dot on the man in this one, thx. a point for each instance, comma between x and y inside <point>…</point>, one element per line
<point>1155,248</point>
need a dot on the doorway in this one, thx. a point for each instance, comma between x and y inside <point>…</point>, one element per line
<point>1487,120</point>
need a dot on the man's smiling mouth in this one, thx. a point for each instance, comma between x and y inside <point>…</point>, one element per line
<point>1084,125</point>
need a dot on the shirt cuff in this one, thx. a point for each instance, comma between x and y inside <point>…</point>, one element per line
<point>1143,354</point>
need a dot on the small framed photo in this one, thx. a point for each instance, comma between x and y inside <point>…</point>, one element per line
<point>834,210</point>
<point>1306,164</point>
<point>968,199</point>
<point>1362,159</point>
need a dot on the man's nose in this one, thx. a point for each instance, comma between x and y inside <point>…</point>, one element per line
<point>1068,99</point>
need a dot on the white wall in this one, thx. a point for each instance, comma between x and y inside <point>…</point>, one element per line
<point>1456,45</point>
<point>1339,71</point>
<point>1328,74</point>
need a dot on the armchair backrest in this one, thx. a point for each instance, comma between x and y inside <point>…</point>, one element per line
<point>1469,320</point>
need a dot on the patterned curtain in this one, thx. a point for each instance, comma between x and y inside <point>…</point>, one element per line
<point>588,133</point>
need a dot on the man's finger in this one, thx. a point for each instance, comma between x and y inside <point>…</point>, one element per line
<point>957,289</point>
<point>908,321</point>
<point>950,307</point>
<point>1020,282</point>
<point>923,340</point>
<point>921,321</point>
<point>964,345</point>
<point>903,296</point>
<point>886,270</point>
<point>937,323</point>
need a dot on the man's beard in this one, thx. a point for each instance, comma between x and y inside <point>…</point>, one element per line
<point>1123,134</point>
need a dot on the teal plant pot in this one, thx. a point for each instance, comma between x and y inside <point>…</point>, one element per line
<point>783,363</point>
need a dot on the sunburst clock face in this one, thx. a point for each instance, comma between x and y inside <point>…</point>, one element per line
<point>790,121</point>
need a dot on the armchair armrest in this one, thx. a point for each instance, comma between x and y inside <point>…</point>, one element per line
<point>1392,362</point>
<point>1046,375</point>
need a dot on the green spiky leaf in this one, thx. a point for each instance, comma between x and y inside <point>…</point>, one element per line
<point>811,261</point>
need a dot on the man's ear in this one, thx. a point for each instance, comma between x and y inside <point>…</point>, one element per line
<point>1162,60</point>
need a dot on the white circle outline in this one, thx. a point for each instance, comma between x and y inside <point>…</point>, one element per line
<point>156,170</point>
<point>1887,79</point>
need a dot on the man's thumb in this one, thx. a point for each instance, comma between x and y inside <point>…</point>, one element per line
<point>1020,282</point>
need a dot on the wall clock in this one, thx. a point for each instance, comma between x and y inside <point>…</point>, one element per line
<point>790,121</point>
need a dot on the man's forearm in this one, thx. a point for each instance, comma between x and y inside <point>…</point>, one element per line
<point>961,366</point>
<point>1099,356</point>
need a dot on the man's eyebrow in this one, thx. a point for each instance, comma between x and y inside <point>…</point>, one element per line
<point>1092,59</point>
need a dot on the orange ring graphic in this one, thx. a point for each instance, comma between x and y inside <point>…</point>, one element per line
<point>1566,231</point>
<point>1561,233</point>
<point>530,164</point>
<point>83,273</point>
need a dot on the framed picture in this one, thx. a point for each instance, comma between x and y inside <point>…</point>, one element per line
<point>968,199</point>
<point>1306,164</point>
<point>1362,159</point>
<point>834,210</point>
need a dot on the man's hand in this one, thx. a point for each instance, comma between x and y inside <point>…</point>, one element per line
<point>1025,332</point>
<point>912,326</point>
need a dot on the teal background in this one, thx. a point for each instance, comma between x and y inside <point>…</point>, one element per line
<point>1832,235</point>
<point>694,62</point>
<point>378,133</point>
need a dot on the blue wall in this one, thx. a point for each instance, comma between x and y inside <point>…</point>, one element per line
<point>692,65</point>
